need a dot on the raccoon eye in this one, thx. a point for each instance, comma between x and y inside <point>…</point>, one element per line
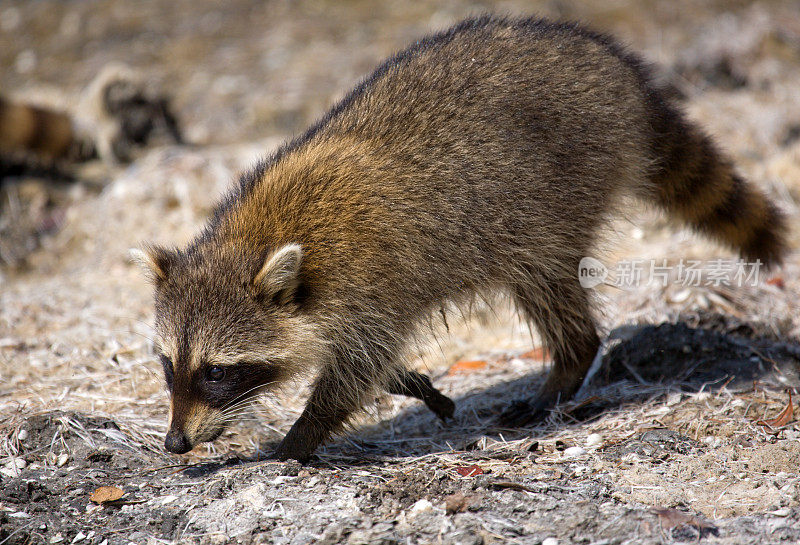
<point>215,373</point>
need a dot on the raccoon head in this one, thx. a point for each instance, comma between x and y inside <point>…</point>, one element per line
<point>228,329</point>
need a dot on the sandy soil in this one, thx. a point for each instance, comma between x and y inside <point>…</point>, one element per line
<point>662,445</point>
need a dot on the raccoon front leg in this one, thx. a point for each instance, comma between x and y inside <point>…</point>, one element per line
<point>561,312</point>
<point>417,385</point>
<point>333,399</point>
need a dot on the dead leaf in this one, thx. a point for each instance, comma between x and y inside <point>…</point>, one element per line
<point>776,281</point>
<point>511,485</point>
<point>469,471</point>
<point>458,503</point>
<point>785,416</point>
<point>105,494</point>
<point>466,366</point>
<point>671,518</point>
<point>539,354</point>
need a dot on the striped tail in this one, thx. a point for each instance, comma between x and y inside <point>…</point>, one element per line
<point>698,185</point>
<point>29,129</point>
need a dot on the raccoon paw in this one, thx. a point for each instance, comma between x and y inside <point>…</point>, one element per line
<point>524,412</point>
<point>441,405</point>
<point>297,445</point>
<point>285,452</point>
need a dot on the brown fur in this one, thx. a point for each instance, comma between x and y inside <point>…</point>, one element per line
<point>31,129</point>
<point>482,159</point>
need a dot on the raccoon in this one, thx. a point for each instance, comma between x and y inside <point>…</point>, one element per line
<point>123,114</point>
<point>482,159</point>
<point>45,133</point>
<point>116,115</point>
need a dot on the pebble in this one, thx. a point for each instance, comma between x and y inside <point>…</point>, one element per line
<point>13,468</point>
<point>9,472</point>
<point>80,536</point>
<point>572,452</point>
<point>422,506</point>
<point>22,435</point>
<point>62,459</point>
<point>594,440</point>
<point>18,463</point>
<point>550,541</point>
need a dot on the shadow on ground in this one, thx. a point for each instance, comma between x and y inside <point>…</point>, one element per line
<point>654,359</point>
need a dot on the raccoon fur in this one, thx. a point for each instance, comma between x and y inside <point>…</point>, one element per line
<point>45,133</point>
<point>482,159</point>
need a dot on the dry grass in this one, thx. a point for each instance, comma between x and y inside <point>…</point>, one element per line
<point>75,333</point>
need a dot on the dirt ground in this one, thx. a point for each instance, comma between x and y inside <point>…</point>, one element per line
<point>684,432</point>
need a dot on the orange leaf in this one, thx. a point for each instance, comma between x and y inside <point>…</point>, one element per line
<point>776,281</point>
<point>539,354</point>
<point>458,502</point>
<point>469,471</point>
<point>466,366</point>
<point>105,494</point>
<point>785,416</point>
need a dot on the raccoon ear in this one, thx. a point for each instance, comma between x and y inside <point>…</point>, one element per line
<point>278,276</point>
<point>156,260</point>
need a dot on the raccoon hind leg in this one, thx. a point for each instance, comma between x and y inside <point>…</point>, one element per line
<point>561,311</point>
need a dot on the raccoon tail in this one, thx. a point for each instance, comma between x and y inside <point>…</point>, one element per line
<point>39,132</point>
<point>698,185</point>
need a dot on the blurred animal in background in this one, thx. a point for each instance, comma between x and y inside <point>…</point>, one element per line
<point>122,113</point>
<point>117,114</point>
<point>33,135</point>
<point>116,117</point>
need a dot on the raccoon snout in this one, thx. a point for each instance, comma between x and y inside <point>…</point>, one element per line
<point>177,442</point>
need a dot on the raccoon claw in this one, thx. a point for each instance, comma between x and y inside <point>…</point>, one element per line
<point>524,412</point>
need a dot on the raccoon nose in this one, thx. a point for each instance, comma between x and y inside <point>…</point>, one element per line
<point>176,442</point>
